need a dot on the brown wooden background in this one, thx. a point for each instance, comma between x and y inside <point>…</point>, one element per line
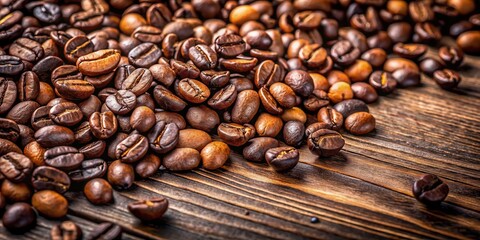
<point>363,193</point>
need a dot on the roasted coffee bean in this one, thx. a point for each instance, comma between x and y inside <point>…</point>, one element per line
<point>9,129</point>
<point>224,98</point>
<point>34,152</point>
<point>313,55</point>
<point>8,91</point>
<point>138,81</point>
<point>375,56</point>
<point>66,72</point>
<point>63,157</point>
<point>99,62</point>
<point>364,92</point>
<point>41,118</point>
<point>106,231</point>
<point>235,134</point>
<point>150,209</point>
<point>26,135</point>
<point>400,32</point>
<point>359,71</point>
<point>467,41</point>
<point>300,81</point>
<point>182,159</point>
<point>15,167</point>
<point>215,79</point>
<point>16,192</point>
<point>430,65</point>
<point>98,191</point>
<point>406,77</point>
<point>158,15</point>
<point>26,49</point>
<point>121,102</point>
<point>257,147</point>
<point>410,51</point>
<point>144,55</point>
<point>360,123</point>
<point>19,217</point>
<point>167,100</point>
<point>74,89</point>
<point>148,165</point>
<point>67,230</point>
<point>283,94</point>
<point>51,136</point>
<point>132,148</point>
<point>240,65</point>
<point>245,106</point>
<point>269,102</point>
<point>446,78</point>
<point>163,137</point>
<point>383,82</point>
<point>142,119</point>
<point>325,143</point>
<point>451,56</point>
<point>203,57</point>
<point>193,91</point>
<point>268,125</point>
<point>339,92</point>
<point>66,114</point>
<point>427,32</point>
<point>214,155</point>
<point>120,175</point>
<point>86,20</point>
<point>193,138</point>
<point>282,158</point>
<point>184,70</point>
<point>314,127</point>
<point>89,169</point>
<point>103,125</point>
<point>49,178</point>
<point>355,37</point>
<point>148,34</point>
<point>430,189</point>
<point>348,107</point>
<point>331,117</point>
<point>10,65</point>
<point>344,53</point>
<point>76,47</point>
<point>28,86</point>
<point>50,204</point>
<point>202,118</point>
<point>267,73</point>
<point>22,112</point>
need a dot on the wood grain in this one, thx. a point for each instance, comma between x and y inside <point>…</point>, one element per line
<point>363,193</point>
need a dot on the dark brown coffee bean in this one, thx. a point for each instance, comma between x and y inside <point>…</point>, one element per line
<point>410,51</point>
<point>8,91</point>
<point>360,123</point>
<point>466,41</point>
<point>26,135</point>
<point>22,112</point>
<point>67,230</point>
<point>331,117</point>
<point>15,167</point>
<point>282,158</point>
<point>364,92</point>
<point>106,231</point>
<point>325,143</point>
<point>167,100</point>
<point>344,53</point>
<point>383,82</point>
<point>315,127</point>
<point>74,89</point>
<point>66,72</point>
<point>49,178</point>
<point>26,49</point>
<point>193,138</point>
<point>355,37</point>
<point>235,134</point>
<point>193,90</point>
<point>158,15</point>
<point>203,57</point>
<point>293,132</point>
<point>63,157</point>
<point>98,191</point>
<point>451,56</point>
<point>7,146</point>
<point>420,11</point>
<point>122,102</point>
<point>89,169</point>
<point>283,94</point>
<point>430,65</point>
<point>103,125</point>
<point>427,32</point>
<point>138,81</point>
<point>257,148</point>
<point>202,118</point>
<point>246,106</point>
<point>446,78</point>
<point>407,77</point>
<point>230,45</point>
<point>66,114</point>
<point>224,98</point>
<point>375,56</point>
<point>132,148</point>
<point>269,102</point>
<point>28,86</point>
<point>76,47</point>
<point>120,175</point>
<point>240,65</point>
<point>163,73</point>
<point>144,55</point>
<point>99,62</point>
<point>429,189</point>
<point>40,118</point>
<point>52,136</point>
<point>50,204</point>
<point>9,129</point>
<point>300,81</point>
<point>182,159</point>
<point>19,217</point>
<point>149,210</point>
<point>93,149</point>
<point>86,20</point>
<point>148,165</point>
<point>11,65</point>
<point>149,34</point>
<point>184,70</point>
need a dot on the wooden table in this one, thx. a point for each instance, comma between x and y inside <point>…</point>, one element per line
<point>365,192</point>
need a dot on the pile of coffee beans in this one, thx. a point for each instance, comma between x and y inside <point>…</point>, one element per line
<point>98,93</point>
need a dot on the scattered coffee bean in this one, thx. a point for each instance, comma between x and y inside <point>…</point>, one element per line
<point>429,189</point>
<point>150,209</point>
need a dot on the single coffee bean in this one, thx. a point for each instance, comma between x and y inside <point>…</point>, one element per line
<point>9,129</point>
<point>193,91</point>
<point>66,114</point>
<point>16,192</point>
<point>293,132</point>
<point>214,155</point>
<point>193,138</point>
<point>148,165</point>
<point>49,178</point>
<point>224,98</point>
<point>184,70</point>
<point>142,119</point>
<point>28,86</point>
<point>383,82</point>
<point>202,118</point>
<point>235,134</point>
<point>41,118</point>
<point>103,125</point>
<point>63,157</point>
<point>364,92</point>
<point>167,100</point>
<point>144,55</point>
<point>407,77</point>
<point>267,73</point>
<point>67,230</point>
<point>282,158</point>
<point>467,41</point>
<point>163,137</point>
<point>331,117</point>
<point>120,175</point>
<point>410,51</point>
<point>26,135</point>
<point>313,55</point>
<point>300,81</point>
<point>132,148</point>
<point>257,147</point>
<point>121,102</point>
<point>339,92</point>
<point>430,189</point>
<point>66,72</point>
<point>150,209</point>
<point>344,53</point>
<point>50,204</point>
<point>314,127</point>
<point>325,143</point>
<point>395,63</point>
<point>348,107</point>
<point>360,123</point>
<point>22,112</point>
<point>107,231</point>
<point>203,57</point>
<point>86,20</point>
<point>98,191</point>
<point>138,81</point>
<point>19,217</point>
<point>26,49</point>
<point>89,169</point>
<point>283,94</point>
<point>451,56</point>
<point>240,65</point>
<point>446,78</point>
<point>15,167</point>
<point>34,152</point>
<point>11,65</point>
<point>430,65</point>
<point>269,102</point>
<point>8,91</point>
<point>52,136</point>
<point>182,159</point>
<point>99,62</point>
<point>359,71</point>
<point>375,56</point>
<point>148,34</point>
<point>230,45</point>
<point>74,89</point>
<point>76,47</point>
<point>268,125</point>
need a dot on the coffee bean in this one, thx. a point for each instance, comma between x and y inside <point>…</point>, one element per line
<point>214,155</point>
<point>257,147</point>
<point>240,65</point>
<point>348,107</point>
<point>325,143</point>
<point>203,57</point>
<point>167,100</point>
<point>49,178</point>
<point>235,134</point>
<point>344,53</point>
<point>28,86</point>
<point>331,117</point>
<point>50,204</point>
<point>148,34</point>
<point>364,92</point>
<point>22,112</point>
<point>193,91</point>
<point>19,217</point>
<point>359,71</point>
<point>451,56</point>
<point>300,81</point>
<point>429,189</point>
<point>283,94</point>
<point>406,77</point>
<point>132,148</point>
<point>67,230</point>
<point>360,123</point>
<point>224,98</point>
<point>11,65</point>
<point>34,152</point>
<point>51,136</point>
<point>467,42</point>
<point>163,137</point>
<point>74,89</point>
<point>383,82</point>
<point>9,130</point>
<point>89,169</point>
<point>76,47</point>
<point>99,62</point>
<point>202,118</point>
<point>66,114</point>
<point>120,175</point>
<point>182,159</point>
<point>268,125</point>
<point>375,56</point>
<point>150,209</point>
<point>339,92</point>
<point>148,165</point>
<point>8,90</point>
<point>430,65</point>
<point>245,106</point>
<point>293,133</point>
<point>98,191</point>
<point>103,125</point>
<point>16,192</point>
<point>15,167</point>
<point>26,135</point>
<point>314,127</point>
<point>184,70</point>
<point>63,157</point>
<point>121,102</point>
<point>282,158</point>
<point>144,55</point>
<point>138,81</point>
<point>446,78</point>
<point>26,49</point>
<point>193,138</point>
<point>107,231</point>
<point>267,73</point>
<point>86,20</point>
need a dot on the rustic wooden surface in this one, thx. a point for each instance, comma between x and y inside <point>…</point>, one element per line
<point>365,192</point>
